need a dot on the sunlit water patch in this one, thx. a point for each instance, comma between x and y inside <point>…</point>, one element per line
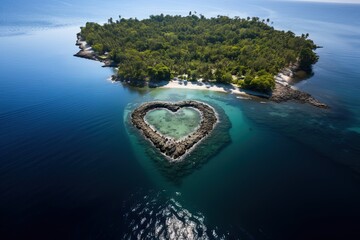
<point>161,215</point>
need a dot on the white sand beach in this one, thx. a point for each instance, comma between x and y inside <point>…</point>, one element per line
<point>226,88</point>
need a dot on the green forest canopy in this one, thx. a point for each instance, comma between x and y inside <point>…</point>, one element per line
<point>248,52</point>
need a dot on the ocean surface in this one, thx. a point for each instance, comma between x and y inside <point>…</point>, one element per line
<point>72,167</point>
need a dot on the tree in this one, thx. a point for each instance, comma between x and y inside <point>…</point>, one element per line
<point>208,75</point>
<point>219,73</point>
<point>159,73</point>
<point>307,58</point>
<point>194,75</point>
<point>227,78</point>
<point>98,48</point>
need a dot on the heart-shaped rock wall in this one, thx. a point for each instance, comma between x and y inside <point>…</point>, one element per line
<point>175,150</point>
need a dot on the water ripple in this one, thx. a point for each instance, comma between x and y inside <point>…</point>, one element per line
<point>159,216</point>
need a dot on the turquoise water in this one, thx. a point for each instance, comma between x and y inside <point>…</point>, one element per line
<point>175,125</point>
<point>72,167</point>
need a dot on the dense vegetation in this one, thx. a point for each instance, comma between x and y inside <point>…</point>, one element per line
<point>248,52</point>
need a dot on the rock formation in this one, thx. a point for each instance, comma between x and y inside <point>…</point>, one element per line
<point>283,93</point>
<point>168,146</point>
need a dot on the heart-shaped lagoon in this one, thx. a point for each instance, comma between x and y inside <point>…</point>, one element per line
<point>174,128</point>
<point>177,124</point>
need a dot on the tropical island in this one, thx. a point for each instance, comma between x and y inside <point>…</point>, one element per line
<point>246,53</point>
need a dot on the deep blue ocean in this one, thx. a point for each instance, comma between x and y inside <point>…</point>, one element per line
<point>72,167</point>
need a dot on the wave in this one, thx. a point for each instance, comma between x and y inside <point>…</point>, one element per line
<point>155,215</point>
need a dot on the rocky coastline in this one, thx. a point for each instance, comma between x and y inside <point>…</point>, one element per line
<point>284,93</point>
<point>87,52</point>
<point>175,150</point>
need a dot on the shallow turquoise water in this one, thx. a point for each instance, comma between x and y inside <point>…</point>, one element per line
<point>72,167</point>
<point>175,125</point>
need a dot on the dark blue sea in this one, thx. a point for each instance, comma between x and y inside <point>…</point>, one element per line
<point>72,167</point>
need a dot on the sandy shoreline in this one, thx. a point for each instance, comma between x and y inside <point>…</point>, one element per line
<point>217,87</point>
<point>283,91</point>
